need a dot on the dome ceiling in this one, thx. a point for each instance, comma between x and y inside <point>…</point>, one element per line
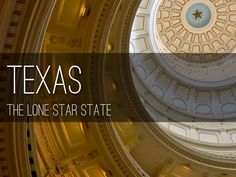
<point>119,148</point>
<point>199,55</point>
<point>184,67</point>
<point>193,27</point>
<point>200,32</point>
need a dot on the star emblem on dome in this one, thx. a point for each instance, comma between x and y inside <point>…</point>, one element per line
<point>197,14</point>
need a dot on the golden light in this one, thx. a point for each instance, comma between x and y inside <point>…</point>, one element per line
<point>109,47</point>
<point>186,167</point>
<point>85,11</point>
<point>114,86</point>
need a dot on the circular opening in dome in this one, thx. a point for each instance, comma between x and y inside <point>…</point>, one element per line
<point>198,15</point>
